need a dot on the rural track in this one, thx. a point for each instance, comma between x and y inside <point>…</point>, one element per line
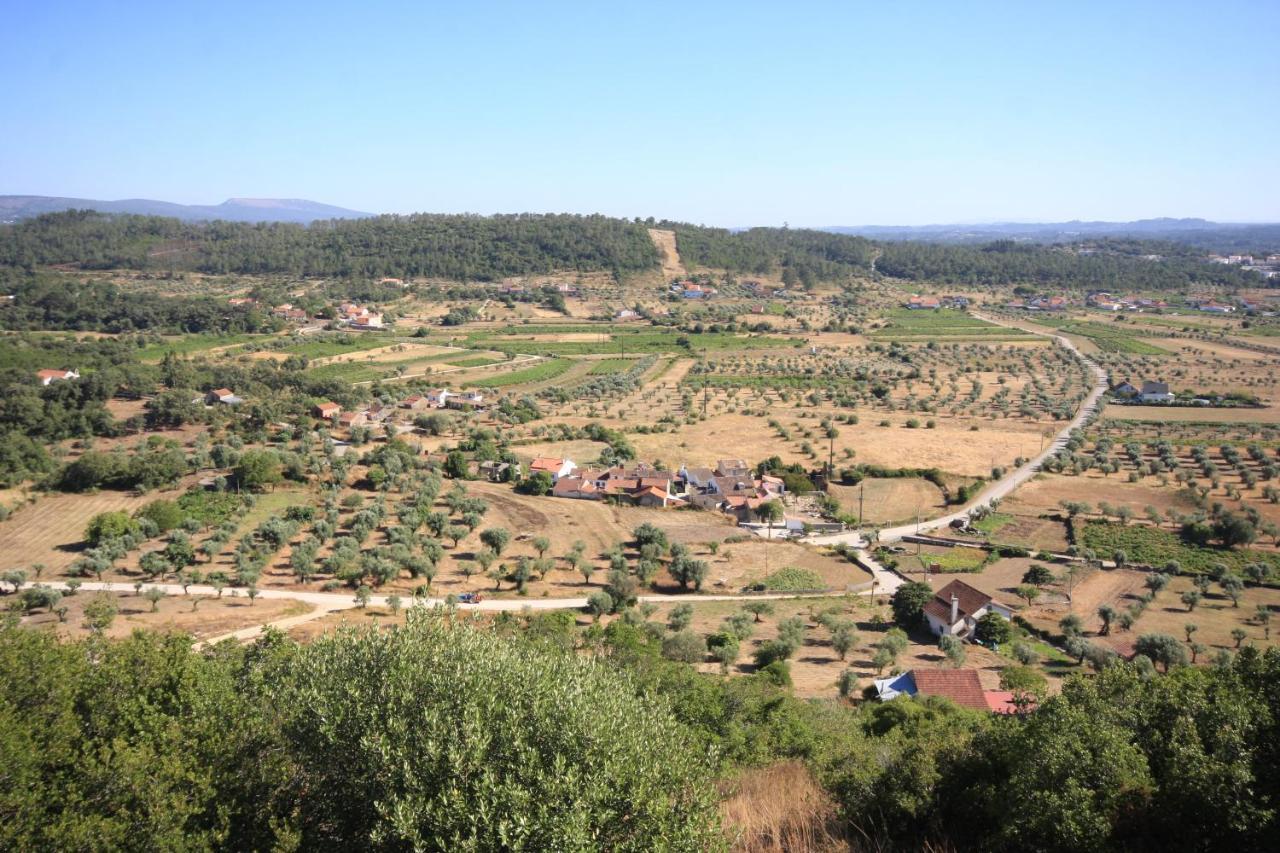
<point>1006,485</point>
<point>325,603</point>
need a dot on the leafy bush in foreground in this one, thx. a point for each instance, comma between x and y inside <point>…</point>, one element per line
<point>432,737</point>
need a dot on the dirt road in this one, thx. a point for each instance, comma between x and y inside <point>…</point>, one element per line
<point>666,243</point>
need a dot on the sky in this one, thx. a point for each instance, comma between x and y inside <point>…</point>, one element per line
<point>732,114</point>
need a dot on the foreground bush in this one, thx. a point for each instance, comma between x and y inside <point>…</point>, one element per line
<point>431,737</point>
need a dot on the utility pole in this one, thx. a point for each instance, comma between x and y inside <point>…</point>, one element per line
<point>705,382</point>
<point>862,493</point>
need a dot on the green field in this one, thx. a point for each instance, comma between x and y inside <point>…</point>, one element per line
<point>326,347</point>
<point>637,343</point>
<point>908,326</point>
<point>607,366</point>
<point>538,373</point>
<point>1108,338</point>
<point>192,344</point>
<point>955,560</point>
<point>1153,546</point>
<point>470,360</point>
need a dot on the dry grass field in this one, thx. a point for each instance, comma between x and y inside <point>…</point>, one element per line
<point>51,530</point>
<point>202,617</point>
<point>890,500</point>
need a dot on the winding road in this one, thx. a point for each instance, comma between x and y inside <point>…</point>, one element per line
<point>1005,486</point>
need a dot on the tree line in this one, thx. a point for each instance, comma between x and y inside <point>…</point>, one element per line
<point>456,247</point>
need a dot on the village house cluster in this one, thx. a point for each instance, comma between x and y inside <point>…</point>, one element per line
<point>1040,303</point>
<point>379,413</point>
<point>1105,301</point>
<point>729,487</point>
<point>1268,267</point>
<point>349,315</point>
<point>918,302</point>
<point>693,290</point>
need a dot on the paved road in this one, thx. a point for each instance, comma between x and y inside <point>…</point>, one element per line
<point>1009,482</point>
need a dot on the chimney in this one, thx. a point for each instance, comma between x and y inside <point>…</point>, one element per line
<point>955,609</point>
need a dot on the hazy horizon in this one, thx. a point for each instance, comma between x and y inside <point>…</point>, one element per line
<point>727,114</point>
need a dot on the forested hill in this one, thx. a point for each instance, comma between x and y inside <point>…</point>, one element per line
<point>805,257</point>
<point>485,248</point>
<point>458,247</point>
<point>1100,264</point>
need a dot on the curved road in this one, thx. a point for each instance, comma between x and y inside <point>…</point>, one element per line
<point>1005,485</point>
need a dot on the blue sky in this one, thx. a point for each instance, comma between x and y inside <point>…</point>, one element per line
<point>723,113</point>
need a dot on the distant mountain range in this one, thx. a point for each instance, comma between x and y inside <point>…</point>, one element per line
<point>15,207</point>
<point>1177,230</point>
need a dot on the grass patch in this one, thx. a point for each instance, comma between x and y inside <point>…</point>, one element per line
<point>956,560</point>
<point>993,522</point>
<point>1151,546</point>
<point>907,325</point>
<point>793,579</point>
<point>192,344</point>
<point>210,508</point>
<point>473,361</point>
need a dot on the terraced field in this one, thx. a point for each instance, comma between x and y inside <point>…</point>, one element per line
<point>908,326</point>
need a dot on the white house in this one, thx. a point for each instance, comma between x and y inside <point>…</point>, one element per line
<point>557,468</point>
<point>957,607</point>
<point>1156,392</point>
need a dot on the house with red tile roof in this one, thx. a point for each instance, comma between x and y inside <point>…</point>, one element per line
<point>955,609</point>
<point>919,303</point>
<point>326,410</point>
<point>961,686</point>
<point>557,468</point>
<point>576,488</point>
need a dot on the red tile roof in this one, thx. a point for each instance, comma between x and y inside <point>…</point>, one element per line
<point>959,685</point>
<point>547,464</point>
<point>971,601</point>
<point>1001,702</point>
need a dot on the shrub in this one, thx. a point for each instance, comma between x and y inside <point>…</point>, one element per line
<point>685,646</point>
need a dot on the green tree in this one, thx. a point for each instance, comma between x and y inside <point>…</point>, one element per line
<point>1162,649</point>
<point>155,595</point>
<point>99,612</point>
<point>495,539</point>
<point>685,646</point>
<point>109,525</point>
<point>1037,575</point>
<point>953,648</point>
<point>908,603</point>
<point>258,469</point>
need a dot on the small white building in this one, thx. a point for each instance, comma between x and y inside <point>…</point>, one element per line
<point>557,468</point>
<point>47,377</point>
<point>1156,392</point>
